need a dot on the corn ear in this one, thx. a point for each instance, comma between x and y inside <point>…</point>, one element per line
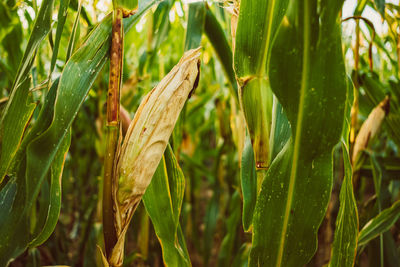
<point>146,140</point>
<point>370,128</point>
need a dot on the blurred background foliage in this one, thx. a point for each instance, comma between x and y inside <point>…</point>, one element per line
<point>206,140</point>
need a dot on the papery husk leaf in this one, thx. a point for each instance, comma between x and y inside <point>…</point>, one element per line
<point>370,127</point>
<point>146,140</point>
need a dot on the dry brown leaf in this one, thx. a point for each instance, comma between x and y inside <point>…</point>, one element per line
<point>146,140</point>
<point>370,127</point>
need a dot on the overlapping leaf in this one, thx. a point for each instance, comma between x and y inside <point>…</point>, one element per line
<point>218,40</point>
<point>380,224</point>
<point>248,179</point>
<point>257,27</point>
<point>15,119</point>
<point>346,232</point>
<point>296,189</point>
<point>163,202</point>
<point>44,144</point>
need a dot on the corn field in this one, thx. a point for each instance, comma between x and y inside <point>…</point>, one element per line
<point>200,133</point>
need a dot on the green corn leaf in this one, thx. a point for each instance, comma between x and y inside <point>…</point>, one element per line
<point>380,224</point>
<point>74,84</point>
<point>195,25</point>
<point>126,4</point>
<point>296,189</point>
<point>74,32</point>
<point>218,40</point>
<point>280,129</point>
<point>163,202</point>
<point>346,232</point>
<point>391,256</point>
<point>40,30</point>
<point>194,32</point>
<point>360,7</point>
<point>14,226</point>
<point>14,236</point>
<point>9,203</point>
<point>11,35</point>
<point>258,24</point>
<point>380,5</point>
<point>54,205</point>
<point>377,176</point>
<point>7,196</point>
<point>226,252</point>
<point>14,120</point>
<point>61,18</point>
<point>248,179</point>
<point>161,26</point>
<point>210,223</point>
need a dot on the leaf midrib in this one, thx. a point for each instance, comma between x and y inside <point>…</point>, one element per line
<point>296,152</point>
<point>265,48</point>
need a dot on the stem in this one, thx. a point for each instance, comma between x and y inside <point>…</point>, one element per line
<point>112,131</point>
<point>110,236</point>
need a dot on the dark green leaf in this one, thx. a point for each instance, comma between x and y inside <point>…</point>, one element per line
<point>380,224</point>
<point>296,189</point>
<point>20,118</point>
<point>226,252</point>
<point>195,25</point>
<point>217,38</point>
<point>15,122</point>
<point>248,180</point>
<point>380,4</point>
<point>54,205</point>
<point>346,231</point>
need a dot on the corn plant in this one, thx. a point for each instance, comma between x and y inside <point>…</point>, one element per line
<point>199,133</point>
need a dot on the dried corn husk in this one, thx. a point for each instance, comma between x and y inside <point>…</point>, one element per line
<point>234,21</point>
<point>370,128</point>
<point>146,140</point>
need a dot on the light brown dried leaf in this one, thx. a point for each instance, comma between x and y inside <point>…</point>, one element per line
<point>146,140</point>
<point>370,127</point>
